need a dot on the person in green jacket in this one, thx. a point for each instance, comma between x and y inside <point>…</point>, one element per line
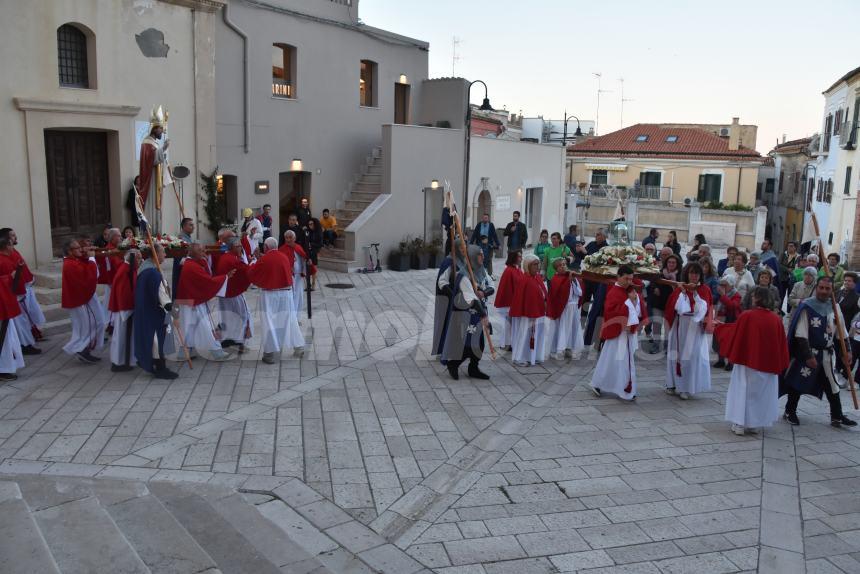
<point>836,270</point>
<point>542,245</point>
<point>556,250</point>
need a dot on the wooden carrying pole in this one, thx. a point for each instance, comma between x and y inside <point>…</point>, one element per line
<point>840,328</point>
<point>176,192</point>
<point>464,251</point>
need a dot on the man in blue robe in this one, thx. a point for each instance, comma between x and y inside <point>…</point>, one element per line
<point>151,306</point>
<point>811,343</point>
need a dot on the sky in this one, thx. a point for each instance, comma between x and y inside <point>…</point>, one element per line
<point>695,61</point>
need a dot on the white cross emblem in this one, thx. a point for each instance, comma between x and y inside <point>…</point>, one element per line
<point>805,372</point>
<point>472,329</point>
<point>816,322</point>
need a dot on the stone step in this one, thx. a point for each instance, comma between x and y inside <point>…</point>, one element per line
<point>47,295</point>
<point>83,538</point>
<point>54,312</point>
<point>270,540</point>
<point>231,550</point>
<point>158,538</point>
<point>368,186</point>
<point>337,264</point>
<point>49,278</point>
<point>371,178</point>
<point>23,549</point>
<point>357,204</point>
<point>363,196</point>
<point>349,214</point>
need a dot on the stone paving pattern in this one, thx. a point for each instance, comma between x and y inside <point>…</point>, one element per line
<point>526,472</point>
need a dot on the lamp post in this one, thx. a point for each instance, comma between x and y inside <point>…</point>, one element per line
<point>485,105</point>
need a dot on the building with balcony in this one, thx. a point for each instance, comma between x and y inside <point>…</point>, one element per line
<point>834,170</point>
<point>671,163</point>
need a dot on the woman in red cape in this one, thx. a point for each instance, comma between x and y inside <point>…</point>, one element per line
<point>563,310</point>
<point>505,295</point>
<point>528,310</point>
<point>687,312</point>
<point>757,346</point>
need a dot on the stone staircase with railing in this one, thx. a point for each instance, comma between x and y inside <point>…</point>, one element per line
<point>366,188</point>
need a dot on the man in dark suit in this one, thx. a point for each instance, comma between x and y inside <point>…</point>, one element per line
<point>516,233</point>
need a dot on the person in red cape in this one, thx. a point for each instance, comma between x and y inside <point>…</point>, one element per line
<point>14,266</point>
<point>688,312</point>
<point>235,315</point>
<point>153,152</point>
<point>564,304</point>
<point>108,265</point>
<point>79,281</point>
<point>196,287</point>
<point>301,267</point>
<point>11,355</point>
<point>757,346</point>
<point>727,309</point>
<point>273,274</point>
<point>505,295</point>
<point>623,315</point>
<point>224,236</point>
<point>121,308</point>
<point>528,312</point>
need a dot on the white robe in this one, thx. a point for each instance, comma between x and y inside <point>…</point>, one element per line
<point>119,320</point>
<point>88,327</point>
<point>507,326</point>
<point>235,318</point>
<point>105,301</point>
<point>298,286</point>
<point>526,329</point>
<point>255,234</point>
<point>21,324</point>
<point>31,316</point>
<point>567,329</point>
<point>616,366</point>
<point>11,357</point>
<point>753,398</point>
<point>197,325</point>
<point>280,323</point>
<point>689,343</point>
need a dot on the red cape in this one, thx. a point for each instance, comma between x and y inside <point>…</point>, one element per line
<point>669,312</point>
<point>615,313</point>
<point>9,307</point>
<point>238,283</point>
<point>26,274</point>
<point>529,297</point>
<point>122,289</point>
<point>8,266</point>
<point>246,246</point>
<point>79,282</point>
<point>196,284</point>
<point>147,164</point>
<point>507,286</point>
<point>559,294</point>
<point>290,252</point>
<point>272,271</point>
<point>756,340</point>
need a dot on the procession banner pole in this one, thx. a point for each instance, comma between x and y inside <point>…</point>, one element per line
<point>163,281</point>
<point>465,253</point>
<point>840,328</point>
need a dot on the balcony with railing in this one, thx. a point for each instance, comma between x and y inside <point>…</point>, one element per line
<point>647,192</point>
<point>848,135</point>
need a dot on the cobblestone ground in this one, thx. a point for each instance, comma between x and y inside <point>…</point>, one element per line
<point>527,472</point>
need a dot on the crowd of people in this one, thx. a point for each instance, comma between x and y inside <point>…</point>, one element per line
<point>734,307</point>
<point>204,312</point>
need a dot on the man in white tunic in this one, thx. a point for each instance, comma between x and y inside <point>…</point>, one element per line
<point>688,370</point>
<point>757,346</point>
<point>235,316</point>
<point>80,274</point>
<point>121,309</point>
<point>623,314</point>
<point>31,319</point>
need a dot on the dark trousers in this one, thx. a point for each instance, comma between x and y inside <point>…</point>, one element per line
<point>832,398</point>
<point>467,354</point>
<point>329,236</point>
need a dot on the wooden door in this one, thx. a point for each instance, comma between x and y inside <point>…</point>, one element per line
<point>401,103</point>
<point>78,188</point>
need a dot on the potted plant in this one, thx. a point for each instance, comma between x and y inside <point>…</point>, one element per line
<point>434,250</point>
<point>399,258</point>
<point>420,257</point>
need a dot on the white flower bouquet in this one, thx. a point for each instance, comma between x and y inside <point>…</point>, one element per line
<point>610,258</point>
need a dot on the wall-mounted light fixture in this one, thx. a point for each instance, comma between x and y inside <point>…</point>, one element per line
<point>261,187</point>
<point>434,184</point>
<point>296,165</point>
<point>403,79</point>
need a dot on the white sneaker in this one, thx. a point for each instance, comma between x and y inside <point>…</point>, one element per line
<point>596,391</point>
<point>683,396</point>
<point>670,390</point>
<point>738,430</point>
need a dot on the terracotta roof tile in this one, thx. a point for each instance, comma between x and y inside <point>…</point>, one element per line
<point>691,143</point>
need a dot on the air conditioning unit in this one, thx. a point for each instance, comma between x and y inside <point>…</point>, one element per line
<point>724,131</point>
<point>688,201</point>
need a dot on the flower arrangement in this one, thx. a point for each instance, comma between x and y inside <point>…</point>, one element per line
<point>165,239</point>
<point>610,258</point>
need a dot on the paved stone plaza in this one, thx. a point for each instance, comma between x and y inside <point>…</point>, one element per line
<point>527,472</point>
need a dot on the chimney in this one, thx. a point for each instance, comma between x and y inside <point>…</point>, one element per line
<point>734,134</point>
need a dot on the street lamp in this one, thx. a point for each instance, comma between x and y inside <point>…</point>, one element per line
<point>485,105</point>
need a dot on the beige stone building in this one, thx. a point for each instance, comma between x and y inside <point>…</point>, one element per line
<point>671,163</point>
<point>87,75</point>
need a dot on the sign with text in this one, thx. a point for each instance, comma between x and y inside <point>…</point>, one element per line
<point>503,202</point>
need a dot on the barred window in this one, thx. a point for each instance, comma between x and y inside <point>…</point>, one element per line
<point>72,57</point>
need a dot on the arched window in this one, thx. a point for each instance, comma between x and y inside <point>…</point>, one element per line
<point>73,57</point>
<point>283,71</point>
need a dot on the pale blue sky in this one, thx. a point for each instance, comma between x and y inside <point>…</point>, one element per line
<point>766,61</point>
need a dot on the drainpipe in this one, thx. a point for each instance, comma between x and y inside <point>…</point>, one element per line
<point>740,174</point>
<point>246,81</point>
